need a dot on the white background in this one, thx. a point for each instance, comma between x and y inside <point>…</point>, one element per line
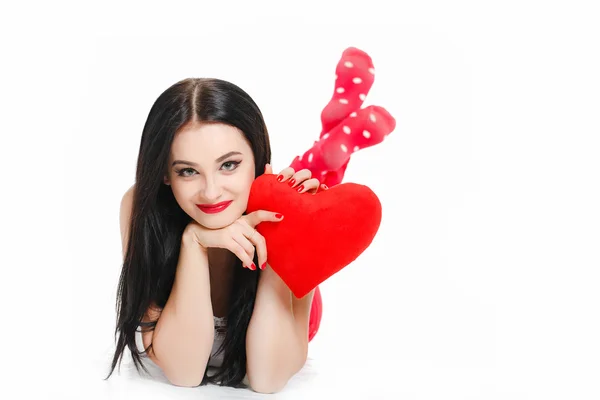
<point>482,282</point>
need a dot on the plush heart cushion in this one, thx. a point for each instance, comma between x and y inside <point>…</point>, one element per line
<point>320,233</point>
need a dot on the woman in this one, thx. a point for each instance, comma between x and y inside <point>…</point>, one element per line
<point>190,281</point>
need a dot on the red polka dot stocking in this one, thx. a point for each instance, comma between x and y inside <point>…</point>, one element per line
<point>347,127</point>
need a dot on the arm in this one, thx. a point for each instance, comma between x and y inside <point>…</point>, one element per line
<point>183,337</point>
<point>277,337</point>
<point>125,217</point>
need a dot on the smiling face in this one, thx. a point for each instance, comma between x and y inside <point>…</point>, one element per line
<point>211,163</point>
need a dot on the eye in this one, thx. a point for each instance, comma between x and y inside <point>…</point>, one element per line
<point>231,165</point>
<point>181,172</point>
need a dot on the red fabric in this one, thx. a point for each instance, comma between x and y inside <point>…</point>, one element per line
<point>346,128</point>
<point>316,312</point>
<point>344,124</point>
<point>320,233</point>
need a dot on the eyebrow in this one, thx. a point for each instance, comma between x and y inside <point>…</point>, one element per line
<point>223,157</point>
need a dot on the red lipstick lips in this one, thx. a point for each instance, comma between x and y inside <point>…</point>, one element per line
<point>214,208</point>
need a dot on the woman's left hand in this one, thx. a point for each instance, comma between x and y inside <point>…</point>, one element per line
<point>301,180</point>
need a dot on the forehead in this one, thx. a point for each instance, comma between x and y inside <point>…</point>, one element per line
<point>204,142</point>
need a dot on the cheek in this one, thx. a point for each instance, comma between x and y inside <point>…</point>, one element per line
<point>183,194</point>
<point>240,182</point>
<point>179,191</point>
<point>245,184</point>
<point>242,189</point>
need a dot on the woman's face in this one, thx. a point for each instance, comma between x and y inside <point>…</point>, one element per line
<point>211,163</point>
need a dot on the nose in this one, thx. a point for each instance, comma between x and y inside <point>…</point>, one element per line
<point>212,189</point>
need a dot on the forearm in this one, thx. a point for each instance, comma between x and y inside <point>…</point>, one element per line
<point>184,332</point>
<point>277,337</point>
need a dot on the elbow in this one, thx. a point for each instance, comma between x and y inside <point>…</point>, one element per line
<point>183,367</point>
<point>266,384</point>
<point>187,383</point>
<point>189,378</point>
<point>264,377</point>
<point>268,379</point>
<point>184,377</point>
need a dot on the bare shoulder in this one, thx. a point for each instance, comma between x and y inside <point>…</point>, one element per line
<point>125,216</point>
<point>127,197</point>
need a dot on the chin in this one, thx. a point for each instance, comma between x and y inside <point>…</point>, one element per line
<point>220,220</point>
<point>214,224</point>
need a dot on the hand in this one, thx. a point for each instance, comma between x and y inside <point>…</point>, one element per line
<point>240,237</point>
<point>301,179</point>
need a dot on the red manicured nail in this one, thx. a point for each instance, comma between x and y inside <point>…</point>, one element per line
<point>279,178</point>
<point>292,181</point>
<point>253,267</point>
<point>264,265</point>
<point>300,188</point>
<point>325,186</point>
<point>278,216</point>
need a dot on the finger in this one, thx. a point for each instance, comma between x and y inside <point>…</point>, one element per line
<point>299,177</point>
<point>285,174</point>
<point>241,253</point>
<point>259,242</point>
<point>321,188</point>
<point>261,248</point>
<point>240,238</point>
<point>256,217</point>
<point>309,185</point>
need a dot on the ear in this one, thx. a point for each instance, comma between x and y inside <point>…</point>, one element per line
<point>166,180</point>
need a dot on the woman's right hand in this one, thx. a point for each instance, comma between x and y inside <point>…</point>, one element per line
<point>240,237</point>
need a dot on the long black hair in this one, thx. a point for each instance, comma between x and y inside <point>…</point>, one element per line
<point>157,222</point>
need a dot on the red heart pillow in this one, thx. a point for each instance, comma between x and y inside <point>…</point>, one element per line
<point>320,233</point>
